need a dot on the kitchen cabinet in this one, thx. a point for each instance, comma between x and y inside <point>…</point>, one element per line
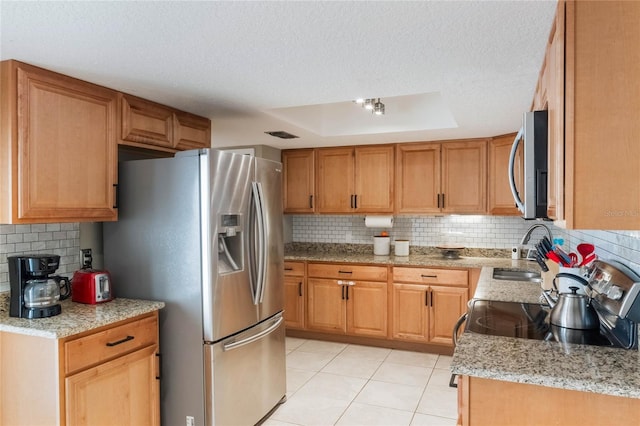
<point>355,179</point>
<point>531,405</point>
<point>347,299</point>
<point>59,150</point>
<point>294,295</point>
<point>106,376</point>
<point>442,177</point>
<point>501,201</point>
<point>426,303</point>
<point>594,88</point>
<point>298,180</point>
<point>146,124</point>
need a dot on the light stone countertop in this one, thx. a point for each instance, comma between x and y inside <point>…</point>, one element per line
<point>604,370</point>
<point>75,317</point>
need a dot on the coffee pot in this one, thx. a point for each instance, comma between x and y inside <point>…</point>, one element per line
<point>35,293</point>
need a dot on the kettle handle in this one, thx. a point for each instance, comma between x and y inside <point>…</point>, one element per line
<point>570,276</point>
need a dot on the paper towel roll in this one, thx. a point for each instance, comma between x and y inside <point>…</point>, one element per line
<point>378,221</point>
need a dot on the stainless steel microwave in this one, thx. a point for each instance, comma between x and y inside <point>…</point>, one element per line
<point>531,199</point>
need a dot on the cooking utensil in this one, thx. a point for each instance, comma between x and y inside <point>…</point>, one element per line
<point>563,256</point>
<point>572,310</point>
<point>590,258</point>
<point>553,256</point>
<point>574,259</point>
<point>540,261</point>
<point>585,249</point>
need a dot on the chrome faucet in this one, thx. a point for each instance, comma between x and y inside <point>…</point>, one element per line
<point>527,235</point>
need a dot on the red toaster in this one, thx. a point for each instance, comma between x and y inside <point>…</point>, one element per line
<point>91,286</point>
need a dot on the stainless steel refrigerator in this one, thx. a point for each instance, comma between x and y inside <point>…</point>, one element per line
<point>203,232</point>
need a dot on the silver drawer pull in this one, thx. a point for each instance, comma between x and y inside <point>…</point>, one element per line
<point>118,342</point>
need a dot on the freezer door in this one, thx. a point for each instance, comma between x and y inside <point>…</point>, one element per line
<point>269,178</point>
<point>245,374</point>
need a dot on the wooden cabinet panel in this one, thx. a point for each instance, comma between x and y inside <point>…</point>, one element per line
<point>367,308</point>
<point>453,277</point>
<point>417,178</point>
<point>424,312</point>
<point>374,168</point>
<point>464,177</point>
<point>120,392</point>
<point>500,198</point>
<point>145,122</point>
<point>108,344</point>
<point>446,304</point>
<point>410,313</point>
<point>325,305</point>
<point>355,179</point>
<point>294,269</point>
<point>190,131</point>
<point>335,180</point>
<point>347,271</point>
<point>294,297</point>
<point>298,180</point>
<point>59,161</point>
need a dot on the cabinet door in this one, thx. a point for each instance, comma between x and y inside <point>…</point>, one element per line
<point>298,180</point>
<point>326,305</point>
<point>464,177</point>
<point>120,392</point>
<point>294,296</point>
<point>190,131</point>
<point>417,178</point>
<point>500,198</point>
<point>374,179</point>
<point>67,149</point>
<point>446,305</point>
<point>367,308</point>
<point>144,122</point>
<point>335,180</point>
<point>410,312</point>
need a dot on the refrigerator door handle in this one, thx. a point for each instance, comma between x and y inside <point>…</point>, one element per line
<point>234,345</point>
<point>258,245</point>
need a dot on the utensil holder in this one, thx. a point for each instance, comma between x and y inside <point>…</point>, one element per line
<point>565,283</point>
<point>381,246</point>
<point>401,248</point>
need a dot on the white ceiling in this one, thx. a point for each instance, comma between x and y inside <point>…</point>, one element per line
<point>444,69</point>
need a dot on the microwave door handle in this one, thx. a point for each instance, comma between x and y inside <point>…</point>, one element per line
<point>512,179</point>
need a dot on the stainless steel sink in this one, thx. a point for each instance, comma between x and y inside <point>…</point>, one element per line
<point>516,275</point>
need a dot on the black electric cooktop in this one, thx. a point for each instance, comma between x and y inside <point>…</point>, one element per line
<point>527,321</point>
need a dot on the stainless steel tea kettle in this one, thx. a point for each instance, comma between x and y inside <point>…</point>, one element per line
<point>572,310</point>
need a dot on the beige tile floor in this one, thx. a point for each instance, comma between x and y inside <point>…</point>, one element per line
<point>341,384</point>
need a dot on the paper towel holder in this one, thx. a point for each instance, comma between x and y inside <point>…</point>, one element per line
<point>378,222</point>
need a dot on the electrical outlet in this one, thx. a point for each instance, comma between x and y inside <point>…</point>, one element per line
<point>191,421</point>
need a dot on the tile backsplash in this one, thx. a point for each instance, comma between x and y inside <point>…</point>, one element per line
<point>499,232</point>
<point>62,239</point>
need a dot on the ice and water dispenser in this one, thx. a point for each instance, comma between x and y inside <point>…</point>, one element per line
<point>230,243</point>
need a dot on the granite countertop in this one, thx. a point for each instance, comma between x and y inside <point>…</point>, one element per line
<point>75,317</point>
<point>604,370</point>
<point>419,256</point>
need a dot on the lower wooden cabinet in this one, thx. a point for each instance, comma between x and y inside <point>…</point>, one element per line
<point>104,377</point>
<point>487,402</point>
<point>348,300</point>
<point>426,306</point>
<point>294,295</point>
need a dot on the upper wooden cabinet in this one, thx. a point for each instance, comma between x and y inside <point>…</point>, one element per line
<point>147,124</point>
<point>355,179</point>
<point>500,199</point>
<point>442,177</point>
<point>298,180</point>
<point>58,159</point>
<point>592,88</point>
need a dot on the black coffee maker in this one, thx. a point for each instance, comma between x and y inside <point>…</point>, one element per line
<point>34,291</point>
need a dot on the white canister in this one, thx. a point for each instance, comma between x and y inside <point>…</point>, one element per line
<point>381,246</point>
<point>401,248</point>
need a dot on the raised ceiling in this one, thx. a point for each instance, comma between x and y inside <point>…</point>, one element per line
<point>444,69</point>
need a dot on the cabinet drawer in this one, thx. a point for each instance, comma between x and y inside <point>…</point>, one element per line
<point>356,272</point>
<point>108,344</point>
<point>431,276</point>
<point>295,269</point>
